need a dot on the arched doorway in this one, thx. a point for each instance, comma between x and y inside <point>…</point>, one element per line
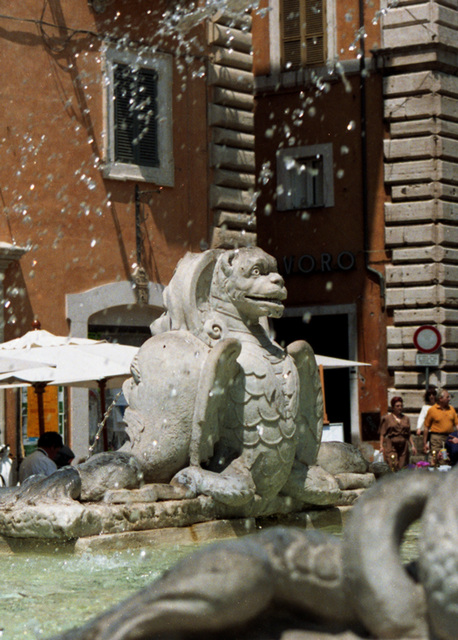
<point>108,312</point>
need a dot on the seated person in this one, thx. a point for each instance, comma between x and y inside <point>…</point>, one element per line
<point>451,445</point>
<point>64,457</point>
<point>42,460</point>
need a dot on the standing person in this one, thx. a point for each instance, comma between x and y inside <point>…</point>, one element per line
<point>395,436</point>
<point>430,399</point>
<point>441,420</point>
<point>42,459</point>
<point>452,447</point>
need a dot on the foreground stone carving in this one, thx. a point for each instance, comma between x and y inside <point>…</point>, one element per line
<point>287,582</point>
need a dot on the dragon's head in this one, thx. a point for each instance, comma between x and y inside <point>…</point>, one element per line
<point>248,279</point>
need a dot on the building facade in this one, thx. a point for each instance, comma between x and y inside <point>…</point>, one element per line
<point>127,140</point>
<point>355,126</point>
<point>324,131</point>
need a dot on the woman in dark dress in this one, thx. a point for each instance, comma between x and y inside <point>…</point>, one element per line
<point>395,436</point>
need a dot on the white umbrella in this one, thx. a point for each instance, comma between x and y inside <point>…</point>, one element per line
<point>327,362</point>
<point>74,365</point>
<point>39,338</point>
<point>10,362</point>
<point>72,362</point>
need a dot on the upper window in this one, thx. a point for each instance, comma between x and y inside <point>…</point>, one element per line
<point>305,177</point>
<point>135,116</point>
<point>139,118</point>
<point>303,31</point>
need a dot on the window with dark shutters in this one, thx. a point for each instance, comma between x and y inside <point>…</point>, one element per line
<point>135,116</point>
<point>303,29</point>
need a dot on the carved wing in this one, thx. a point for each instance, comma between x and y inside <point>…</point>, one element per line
<point>310,409</point>
<point>218,372</point>
<point>186,295</point>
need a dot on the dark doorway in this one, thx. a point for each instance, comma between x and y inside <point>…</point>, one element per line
<point>123,334</point>
<point>328,336</point>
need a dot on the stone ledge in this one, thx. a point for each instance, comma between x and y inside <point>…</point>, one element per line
<point>69,519</point>
<point>196,534</point>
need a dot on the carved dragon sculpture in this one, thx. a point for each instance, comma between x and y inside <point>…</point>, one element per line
<point>213,401</point>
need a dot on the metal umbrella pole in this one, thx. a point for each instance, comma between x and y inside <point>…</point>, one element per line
<point>102,386</point>
<point>39,388</point>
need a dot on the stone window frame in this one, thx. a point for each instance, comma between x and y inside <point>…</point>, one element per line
<point>276,40</point>
<point>162,64</point>
<point>303,34</point>
<point>286,175</point>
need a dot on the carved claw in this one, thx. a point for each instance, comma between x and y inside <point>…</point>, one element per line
<point>187,478</point>
<point>371,557</point>
<point>229,488</point>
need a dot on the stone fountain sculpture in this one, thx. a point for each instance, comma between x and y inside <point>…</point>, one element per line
<point>293,583</point>
<point>214,404</point>
<point>219,416</point>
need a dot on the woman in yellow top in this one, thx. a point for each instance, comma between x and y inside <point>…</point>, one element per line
<point>395,436</point>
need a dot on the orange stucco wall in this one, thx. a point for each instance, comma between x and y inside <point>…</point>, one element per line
<point>79,227</point>
<point>348,22</point>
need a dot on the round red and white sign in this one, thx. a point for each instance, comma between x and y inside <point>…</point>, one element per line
<point>427,339</point>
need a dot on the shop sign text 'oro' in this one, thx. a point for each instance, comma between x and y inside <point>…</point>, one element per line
<point>324,263</point>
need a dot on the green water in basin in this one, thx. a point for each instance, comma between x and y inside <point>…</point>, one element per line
<point>409,546</point>
<point>42,595</point>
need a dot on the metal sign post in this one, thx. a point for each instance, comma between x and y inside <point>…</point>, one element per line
<point>427,340</point>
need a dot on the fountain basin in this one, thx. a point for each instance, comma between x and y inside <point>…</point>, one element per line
<point>90,575</point>
<point>80,578</point>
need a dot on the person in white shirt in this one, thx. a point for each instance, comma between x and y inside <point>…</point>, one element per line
<point>41,461</point>
<point>430,399</point>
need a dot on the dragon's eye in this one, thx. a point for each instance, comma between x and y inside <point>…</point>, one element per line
<point>256,271</point>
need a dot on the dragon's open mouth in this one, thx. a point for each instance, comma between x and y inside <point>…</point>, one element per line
<point>276,300</point>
